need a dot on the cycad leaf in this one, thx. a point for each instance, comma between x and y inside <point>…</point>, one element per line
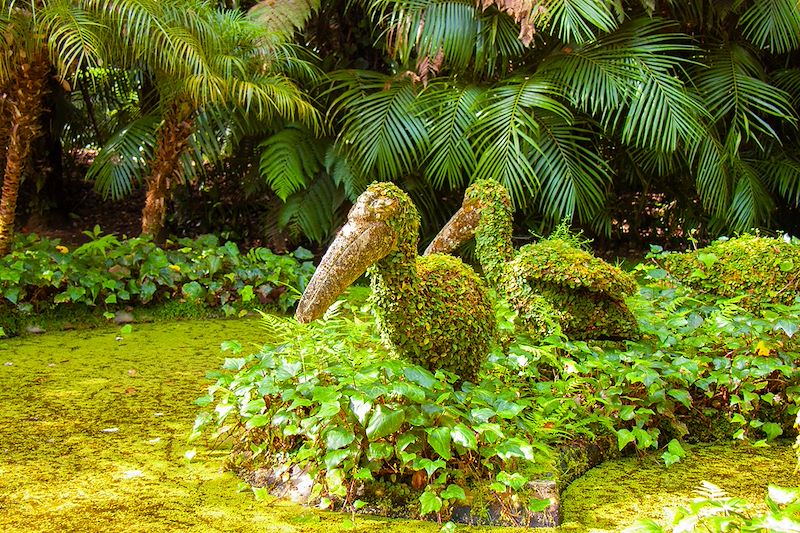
<point>315,210</point>
<point>123,161</point>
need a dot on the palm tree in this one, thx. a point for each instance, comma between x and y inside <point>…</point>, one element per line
<point>42,39</point>
<point>566,101</point>
<point>206,66</point>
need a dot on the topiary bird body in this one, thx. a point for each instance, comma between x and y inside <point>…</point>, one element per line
<point>434,310</point>
<point>553,279</point>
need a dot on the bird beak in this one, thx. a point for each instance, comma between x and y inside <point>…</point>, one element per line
<point>458,230</point>
<point>356,247</point>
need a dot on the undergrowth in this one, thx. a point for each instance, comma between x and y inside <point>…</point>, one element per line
<point>325,397</point>
<point>186,277</point>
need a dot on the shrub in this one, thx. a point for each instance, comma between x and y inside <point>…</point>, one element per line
<point>108,273</point>
<point>759,270</point>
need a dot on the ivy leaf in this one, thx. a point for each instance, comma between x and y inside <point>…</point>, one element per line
<point>384,421</point>
<point>193,290</point>
<point>336,438</point>
<point>420,376</point>
<point>453,492</point>
<point>772,430</point>
<point>429,503</point>
<point>682,396</point>
<point>464,436</point>
<point>439,439</point>
<point>624,437</point>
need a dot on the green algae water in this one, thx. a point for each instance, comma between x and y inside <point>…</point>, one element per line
<point>93,428</point>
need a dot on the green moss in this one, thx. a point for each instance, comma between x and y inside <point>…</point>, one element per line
<point>762,270</point>
<point>616,493</point>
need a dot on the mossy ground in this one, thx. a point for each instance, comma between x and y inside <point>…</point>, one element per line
<point>616,493</point>
<point>93,436</point>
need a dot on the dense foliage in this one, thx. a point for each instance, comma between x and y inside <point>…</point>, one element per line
<point>329,399</point>
<point>758,269</point>
<point>110,274</point>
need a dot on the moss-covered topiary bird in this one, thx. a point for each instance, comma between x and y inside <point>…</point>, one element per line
<point>434,310</point>
<point>553,278</point>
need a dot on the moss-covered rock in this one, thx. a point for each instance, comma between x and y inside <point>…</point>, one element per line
<point>433,310</point>
<point>763,270</point>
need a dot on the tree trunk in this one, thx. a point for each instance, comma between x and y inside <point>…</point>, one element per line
<point>23,103</point>
<point>173,139</point>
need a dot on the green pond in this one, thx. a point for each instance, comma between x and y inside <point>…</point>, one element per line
<point>93,428</point>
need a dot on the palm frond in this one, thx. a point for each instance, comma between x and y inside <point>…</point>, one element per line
<point>73,37</point>
<point>379,132</point>
<point>123,161</point>
<point>734,89</point>
<point>773,25</point>
<point>450,111</point>
<point>506,130</point>
<point>751,205</point>
<point>788,80</point>
<point>782,173</point>
<point>577,21</point>
<point>290,160</point>
<point>713,174</point>
<point>283,18</point>
<point>574,178</point>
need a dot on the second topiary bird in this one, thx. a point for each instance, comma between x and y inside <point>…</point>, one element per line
<point>554,278</point>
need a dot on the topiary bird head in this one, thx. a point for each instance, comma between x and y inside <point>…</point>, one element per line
<point>383,220</point>
<point>484,199</point>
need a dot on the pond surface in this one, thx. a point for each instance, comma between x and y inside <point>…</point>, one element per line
<point>93,428</point>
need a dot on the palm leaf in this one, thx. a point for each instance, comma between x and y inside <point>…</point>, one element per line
<point>713,174</point>
<point>574,178</point>
<point>773,25</point>
<point>751,204</point>
<point>450,111</point>
<point>123,161</point>
<point>283,18</point>
<point>734,89</point>
<point>783,175</point>
<point>379,133</point>
<point>576,21</point>
<point>506,130</point>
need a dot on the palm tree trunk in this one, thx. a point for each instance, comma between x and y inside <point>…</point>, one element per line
<point>173,139</point>
<point>23,105</point>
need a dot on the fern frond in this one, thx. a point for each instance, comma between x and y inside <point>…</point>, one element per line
<point>290,160</point>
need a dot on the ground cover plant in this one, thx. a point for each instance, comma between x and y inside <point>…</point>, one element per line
<point>328,399</point>
<point>110,273</point>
